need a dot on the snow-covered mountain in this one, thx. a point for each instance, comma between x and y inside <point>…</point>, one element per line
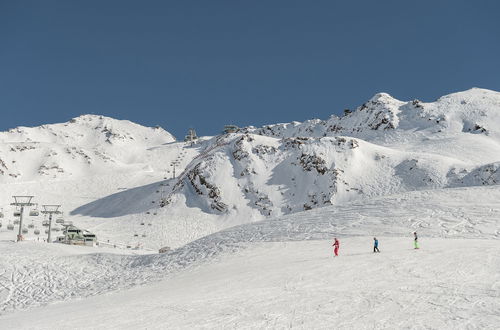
<point>472,111</point>
<point>86,145</point>
<point>384,147</point>
<point>101,168</point>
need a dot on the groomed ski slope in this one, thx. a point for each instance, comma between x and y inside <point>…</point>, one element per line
<point>447,284</point>
<point>280,273</point>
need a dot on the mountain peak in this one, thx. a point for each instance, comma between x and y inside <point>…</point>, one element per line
<point>382,97</point>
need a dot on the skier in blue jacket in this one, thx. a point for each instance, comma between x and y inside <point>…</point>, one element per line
<point>375,245</point>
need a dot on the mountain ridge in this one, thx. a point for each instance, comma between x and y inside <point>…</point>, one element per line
<point>384,147</point>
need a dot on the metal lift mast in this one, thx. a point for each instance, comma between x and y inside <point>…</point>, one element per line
<point>50,210</point>
<point>22,202</point>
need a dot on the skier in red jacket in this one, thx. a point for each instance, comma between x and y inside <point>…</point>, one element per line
<point>336,246</point>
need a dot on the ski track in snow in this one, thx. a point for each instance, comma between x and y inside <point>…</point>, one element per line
<point>448,284</point>
<point>34,274</point>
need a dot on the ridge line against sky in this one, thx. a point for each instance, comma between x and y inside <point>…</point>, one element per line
<point>207,64</point>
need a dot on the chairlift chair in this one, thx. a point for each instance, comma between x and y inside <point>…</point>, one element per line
<point>1,213</point>
<point>60,220</point>
<point>136,235</point>
<point>37,232</point>
<point>143,235</point>
<point>150,224</point>
<point>45,223</point>
<point>17,213</point>
<point>55,229</point>
<point>46,231</point>
<point>10,226</point>
<point>25,230</point>
<point>142,223</point>
<point>34,212</point>
<point>31,225</point>
<point>16,222</point>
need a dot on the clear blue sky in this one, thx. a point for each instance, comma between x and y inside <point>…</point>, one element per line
<point>203,64</point>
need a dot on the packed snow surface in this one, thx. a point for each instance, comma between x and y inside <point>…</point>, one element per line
<point>448,284</point>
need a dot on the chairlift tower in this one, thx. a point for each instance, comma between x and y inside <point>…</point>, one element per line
<point>191,137</point>
<point>21,202</point>
<point>174,163</point>
<point>50,210</point>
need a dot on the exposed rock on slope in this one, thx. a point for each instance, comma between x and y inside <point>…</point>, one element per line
<point>471,111</point>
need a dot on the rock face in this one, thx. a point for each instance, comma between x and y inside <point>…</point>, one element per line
<point>84,145</point>
<point>383,147</point>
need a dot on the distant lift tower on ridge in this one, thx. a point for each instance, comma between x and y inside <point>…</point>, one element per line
<point>50,210</point>
<point>22,202</point>
<point>191,136</point>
